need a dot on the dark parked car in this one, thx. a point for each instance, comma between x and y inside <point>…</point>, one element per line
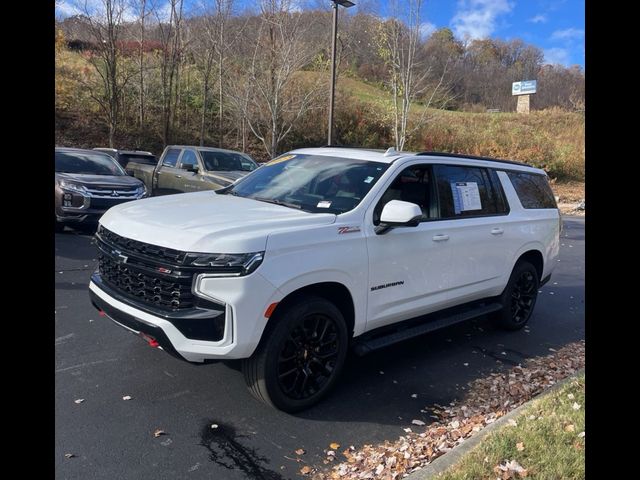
<point>87,183</point>
<point>184,168</point>
<point>123,157</point>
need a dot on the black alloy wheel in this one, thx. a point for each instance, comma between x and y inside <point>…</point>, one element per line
<point>519,297</point>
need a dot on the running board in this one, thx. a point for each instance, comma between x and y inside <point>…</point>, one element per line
<point>367,345</point>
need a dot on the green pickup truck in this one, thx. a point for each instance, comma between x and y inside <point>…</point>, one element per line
<point>184,168</point>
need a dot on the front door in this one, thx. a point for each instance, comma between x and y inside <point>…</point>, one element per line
<point>409,267</point>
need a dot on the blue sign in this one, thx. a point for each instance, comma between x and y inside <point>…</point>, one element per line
<point>525,87</point>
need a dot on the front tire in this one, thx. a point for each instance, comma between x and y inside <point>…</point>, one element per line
<point>519,297</point>
<point>300,357</point>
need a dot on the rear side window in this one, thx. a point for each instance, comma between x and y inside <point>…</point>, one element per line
<point>533,190</point>
<point>171,158</point>
<point>466,192</point>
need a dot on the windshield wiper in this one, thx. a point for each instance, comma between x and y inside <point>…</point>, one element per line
<point>278,202</point>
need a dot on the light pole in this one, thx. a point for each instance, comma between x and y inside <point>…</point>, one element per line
<point>335,3</point>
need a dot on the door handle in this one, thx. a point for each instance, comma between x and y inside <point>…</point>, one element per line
<point>497,231</point>
<point>178,176</point>
<point>440,238</point>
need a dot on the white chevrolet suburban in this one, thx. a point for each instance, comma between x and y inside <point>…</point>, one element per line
<point>326,249</point>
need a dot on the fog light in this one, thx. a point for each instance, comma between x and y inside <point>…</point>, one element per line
<point>67,199</point>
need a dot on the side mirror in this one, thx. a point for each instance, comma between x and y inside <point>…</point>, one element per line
<point>397,213</point>
<point>191,168</point>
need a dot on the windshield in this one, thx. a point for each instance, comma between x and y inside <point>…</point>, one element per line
<point>88,163</point>
<point>313,183</point>
<point>226,162</point>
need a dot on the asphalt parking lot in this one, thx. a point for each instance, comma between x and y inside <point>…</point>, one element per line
<point>114,438</point>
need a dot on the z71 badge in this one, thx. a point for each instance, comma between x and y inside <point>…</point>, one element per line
<point>342,230</point>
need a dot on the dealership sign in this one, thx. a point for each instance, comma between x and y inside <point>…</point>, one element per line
<point>525,87</point>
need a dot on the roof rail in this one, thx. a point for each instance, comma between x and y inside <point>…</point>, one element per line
<point>474,157</point>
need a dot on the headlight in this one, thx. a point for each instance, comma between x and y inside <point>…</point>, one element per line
<point>71,186</point>
<point>142,190</point>
<point>227,264</point>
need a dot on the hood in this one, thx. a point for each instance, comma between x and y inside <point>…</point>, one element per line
<point>232,176</point>
<point>206,222</point>
<point>99,180</point>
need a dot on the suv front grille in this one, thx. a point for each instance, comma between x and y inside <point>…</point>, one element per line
<point>123,267</point>
<point>144,249</point>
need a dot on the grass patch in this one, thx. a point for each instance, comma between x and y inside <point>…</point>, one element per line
<point>545,441</point>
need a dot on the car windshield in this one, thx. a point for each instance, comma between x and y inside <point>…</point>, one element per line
<point>313,183</point>
<point>89,163</point>
<point>226,162</point>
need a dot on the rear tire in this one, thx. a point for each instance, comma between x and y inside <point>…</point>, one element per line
<point>519,297</point>
<point>300,355</point>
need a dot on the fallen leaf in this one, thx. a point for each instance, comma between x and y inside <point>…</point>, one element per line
<point>305,470</point>
<point>334,446</point>
<point>569,428</point>
<point>379,469</point>
<point>512,422</point>
<point>414,395</point>
<point>417,422</point>
<point>300,451</point>
<point>214,425</point>
<point>575,406</point>
<point>69,455</point>
<point>581,435</point>
<point>570,396</point>
<point>158,432</point>
<point>78,401</point>
<point>127,397</point>
<point>520,446</point>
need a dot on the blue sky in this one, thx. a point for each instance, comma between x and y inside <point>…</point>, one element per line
<point>555,26</point>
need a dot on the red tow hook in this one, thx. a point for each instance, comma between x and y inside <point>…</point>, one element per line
<point>150,340</point>
<point>101,313</point>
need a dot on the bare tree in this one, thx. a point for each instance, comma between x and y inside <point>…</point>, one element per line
<point>275,95</point>
<point>104,19</point>
<point>408,76</point>
<point>170,33</point>
<point>210,47</point>
<point>143,10</point>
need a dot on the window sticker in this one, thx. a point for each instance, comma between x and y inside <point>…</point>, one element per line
<point>368,180</point>
<point>279,159</point>
<point>466,196</point>
<point>323,204</point>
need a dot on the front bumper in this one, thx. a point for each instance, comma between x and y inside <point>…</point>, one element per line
<point>244,298</point>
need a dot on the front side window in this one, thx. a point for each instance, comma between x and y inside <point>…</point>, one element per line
<point>248,165</point>
<point>313,183</point>
<point>465,192</point>
<point>87,163</point>
<point>171,158</point>
<point>189,159</point>
<point>533,190</point>
<point>414,185</point>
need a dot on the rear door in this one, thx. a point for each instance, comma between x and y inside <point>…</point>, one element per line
<point>409,267</point>
<point>474,213</point>
<point>167,174</point>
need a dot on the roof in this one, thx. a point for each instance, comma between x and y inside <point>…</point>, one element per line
<point>379,156</point>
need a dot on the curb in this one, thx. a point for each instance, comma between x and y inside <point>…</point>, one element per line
<point>453,456</point>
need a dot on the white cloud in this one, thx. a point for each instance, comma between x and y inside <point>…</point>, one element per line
<point>568,34</point>
<point>426,29</point>
<point>540,18</point>
<point>95,8</point>
<point>65,9</point>
<point>556,56</point>
<point>477,18</point>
